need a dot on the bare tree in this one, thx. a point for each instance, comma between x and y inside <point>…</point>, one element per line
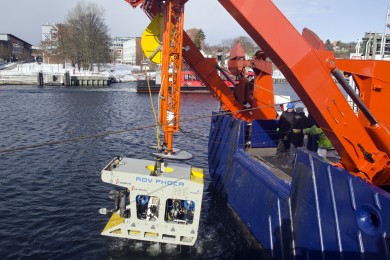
<point>57,47</point>
<point>87,35</point>
<point>62,36</point>
<point>227,43</point>
<point>247,43</point>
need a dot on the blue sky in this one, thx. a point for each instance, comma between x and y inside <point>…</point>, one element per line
<point>344,20</point>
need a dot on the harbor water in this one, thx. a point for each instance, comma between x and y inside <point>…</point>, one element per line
<point>50,195</point>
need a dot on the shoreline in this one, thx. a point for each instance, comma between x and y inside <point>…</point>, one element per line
<point>59,75</point>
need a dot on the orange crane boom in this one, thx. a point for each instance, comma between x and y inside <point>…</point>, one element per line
<point>174,38</point>
<point>171,68</point>
<point>203,67</point>
<point>308,67</point>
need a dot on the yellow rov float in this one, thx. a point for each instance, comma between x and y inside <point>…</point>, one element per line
<point>158,202</point>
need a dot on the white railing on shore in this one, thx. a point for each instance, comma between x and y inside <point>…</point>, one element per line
<point>54,69</point>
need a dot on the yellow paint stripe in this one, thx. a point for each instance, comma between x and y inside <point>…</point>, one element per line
<point>114,221</point>
<point>167,169</point>
<point>197,175</point>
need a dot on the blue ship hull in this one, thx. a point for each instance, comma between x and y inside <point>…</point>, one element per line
<point>321,212</point>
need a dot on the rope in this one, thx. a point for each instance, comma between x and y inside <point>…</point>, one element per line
<point>189,134</point>
<point>154,112</point>
<point>76,139</point>
<point>72,139</point>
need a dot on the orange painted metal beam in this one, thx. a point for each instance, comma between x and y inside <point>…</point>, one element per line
<point>261,98</point>
<point>172,58</point>
<point>204,69</point>
<point>307,69</point>
<point>373,81</point>
<point>134,3</point>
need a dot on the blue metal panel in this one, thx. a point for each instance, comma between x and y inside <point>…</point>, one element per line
<point>222,142</point>
<point>324,213</point>
<point>245,183</point>
<point>254,197</point>
<point>264,134</point>
<point>346,214</point>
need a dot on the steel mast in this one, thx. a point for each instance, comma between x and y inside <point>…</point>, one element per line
<point>171,69</point>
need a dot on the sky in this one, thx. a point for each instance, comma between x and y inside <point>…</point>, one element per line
<point>344,20</point>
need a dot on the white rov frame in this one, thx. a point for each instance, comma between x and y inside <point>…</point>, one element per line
<point>177,183</point>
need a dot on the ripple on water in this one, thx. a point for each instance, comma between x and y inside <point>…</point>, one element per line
<point>51,195</point>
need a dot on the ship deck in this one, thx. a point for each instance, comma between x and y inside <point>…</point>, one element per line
<point>278,165</point>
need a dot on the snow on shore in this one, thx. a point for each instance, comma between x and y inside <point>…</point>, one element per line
<point>118,72</point>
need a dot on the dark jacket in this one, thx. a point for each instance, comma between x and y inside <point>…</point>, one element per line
<point>299,122</point>
<point>285,123</point>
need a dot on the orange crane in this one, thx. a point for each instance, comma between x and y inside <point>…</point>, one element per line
<point>308,67</point>
<point>172,48</point>
<point>364,149</point>
<point>171,69</point>
<point>259,92</point>
<point>203,67</point>
<point>174,38</point>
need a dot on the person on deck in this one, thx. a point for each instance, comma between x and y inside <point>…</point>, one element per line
<point>284,128</point>
<point>296,136</point>
<point>312,139</point>
<point>325,147</point>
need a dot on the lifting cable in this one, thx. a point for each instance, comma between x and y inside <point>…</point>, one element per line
<point>265,89</point>
<point>223,71</point>
<point>76,139</point>
<point>69,140</point>
<point>154,112</point>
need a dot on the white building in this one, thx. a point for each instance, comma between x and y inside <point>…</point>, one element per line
<point>47,32</point>
<point>130,51</point>
<point>116,48</point>
<point>374,46</point>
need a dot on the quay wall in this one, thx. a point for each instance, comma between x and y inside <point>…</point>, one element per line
<point>54,79</point>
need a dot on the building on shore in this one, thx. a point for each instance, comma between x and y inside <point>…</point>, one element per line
<point>45,52</point>
<point>47,31</point>
<point>373,46</point>
<point>126,50</point>
<point>132,52</point>
<point>14,49</point>
<point>116,48</point>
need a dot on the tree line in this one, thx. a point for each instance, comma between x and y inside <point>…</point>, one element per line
<point>83,39</point>
<point>250,47</point>
<point>340,49</point>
